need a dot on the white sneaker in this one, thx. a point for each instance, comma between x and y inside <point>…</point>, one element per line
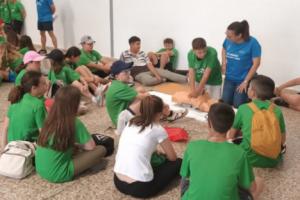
<point>97,100</point>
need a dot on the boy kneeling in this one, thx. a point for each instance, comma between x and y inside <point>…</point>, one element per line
<point>214,168</point>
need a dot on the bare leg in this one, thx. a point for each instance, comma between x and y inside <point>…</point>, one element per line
<point>43,39</point>
<point>292,99</point>
<point>53,38</point>
<point>153,58</point>
<point>164,59</point>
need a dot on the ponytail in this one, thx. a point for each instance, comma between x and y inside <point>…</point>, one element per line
<point>240,28</point>
<point>16,94</point>
<point>246,32</point>
<point>30,79</point>
<point>149,108</point>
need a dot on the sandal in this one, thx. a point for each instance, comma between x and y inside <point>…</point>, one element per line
<point>176,115</point>
<point>281,102</point>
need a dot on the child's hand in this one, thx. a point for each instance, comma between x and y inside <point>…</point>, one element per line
<point>60,83</point>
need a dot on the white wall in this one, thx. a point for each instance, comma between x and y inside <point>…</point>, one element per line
<point>75,19</point>
<point>274,23</point>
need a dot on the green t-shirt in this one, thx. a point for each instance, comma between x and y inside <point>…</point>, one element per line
<point>67,75</point>
<point>16,63</point>
<point>2,9</point>
<point>243,122</point>
<point>211,61</point>
<point>88,57</point>
<point>56,166</point>
<point>26,118</point>
<point>215,170</point>
<point>16,11</point>
<point>71,65</point>
<point>24,50</point>
<point>118,97</point>
<point>173,58</point>
<point>19,77</point>
<point>5,13</point>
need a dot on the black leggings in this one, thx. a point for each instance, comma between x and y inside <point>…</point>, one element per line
<point>163,175</point>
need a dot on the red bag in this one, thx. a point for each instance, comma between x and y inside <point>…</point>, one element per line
<point>177,134</point>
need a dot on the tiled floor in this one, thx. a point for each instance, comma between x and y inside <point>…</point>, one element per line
<point>282,183</point>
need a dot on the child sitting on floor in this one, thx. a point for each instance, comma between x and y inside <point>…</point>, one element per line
<point>214,168</point>
<point>63,75</point>
<point>26,114</point>
<point>72,57</point>
<point>261,123</point>
<point>134,174</point>
<point>165,58</point>
<point>32,61</point>
<point>62,132</point>
<point>119,95</point>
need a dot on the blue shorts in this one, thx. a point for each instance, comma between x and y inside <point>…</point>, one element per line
<point>12,76</point>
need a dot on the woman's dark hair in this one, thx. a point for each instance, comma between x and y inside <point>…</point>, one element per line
<point>221,117</point>
<point>134,39</point>
<point>59,126</point>
<point>73,52</point>
<point>240,28</point>
<point>25,41</point>
<point>263,87</point>
<point>30,79</point>
<point>150,107</point>
<point>57,57</point>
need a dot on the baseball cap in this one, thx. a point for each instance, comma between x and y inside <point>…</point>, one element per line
<point>56,55</point>
<point>32,56</point>
<point>119,66</point>
<point>87,39</point>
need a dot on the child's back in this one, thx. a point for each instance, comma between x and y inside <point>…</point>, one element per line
<point>243,122</point>
<point>216,169</point>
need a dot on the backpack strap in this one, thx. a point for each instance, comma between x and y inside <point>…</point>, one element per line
<point>271,107</point>
<point>253,107</point>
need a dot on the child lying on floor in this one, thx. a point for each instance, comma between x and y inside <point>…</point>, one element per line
<point>286,99</point>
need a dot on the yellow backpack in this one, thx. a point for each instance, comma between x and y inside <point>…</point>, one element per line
<point>265,132</point>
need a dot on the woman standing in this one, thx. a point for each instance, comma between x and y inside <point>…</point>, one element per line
<point>241,56</point>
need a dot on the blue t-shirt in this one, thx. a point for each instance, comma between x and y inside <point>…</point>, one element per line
<point>44,10</point>
<point>240,58</point>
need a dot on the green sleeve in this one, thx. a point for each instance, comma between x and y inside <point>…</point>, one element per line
<point>281,121</point>
<point>212,61</point>
<point>84,60</point>
<point>98,55</point>
<point>52,77</point>
<point>127,94</point>
<point>246,176</point>
<point>191,60</point>
<point>185,166</point>
<point>175,58</point>
<point>71,75</point>
<point>40,115</point>
<point>82,135</point>
<point>238,122</point>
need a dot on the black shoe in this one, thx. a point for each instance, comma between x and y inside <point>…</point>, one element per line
<point>42,51</point>
<point>281,102</point>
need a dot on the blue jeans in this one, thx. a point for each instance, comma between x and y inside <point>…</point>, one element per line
<point>231,96</point>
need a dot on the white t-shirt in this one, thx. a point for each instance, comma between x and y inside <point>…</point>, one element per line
<point>135,151</point>
<point>123,120</point>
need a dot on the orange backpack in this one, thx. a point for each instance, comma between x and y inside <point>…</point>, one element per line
<point>265,132</point>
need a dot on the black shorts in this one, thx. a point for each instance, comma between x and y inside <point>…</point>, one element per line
<point>45,26</point>
<point>168,66</point>
<point>17,26</point>
<point>100,73</point>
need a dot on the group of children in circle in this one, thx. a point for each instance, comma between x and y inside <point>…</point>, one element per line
<point>137,114</point>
